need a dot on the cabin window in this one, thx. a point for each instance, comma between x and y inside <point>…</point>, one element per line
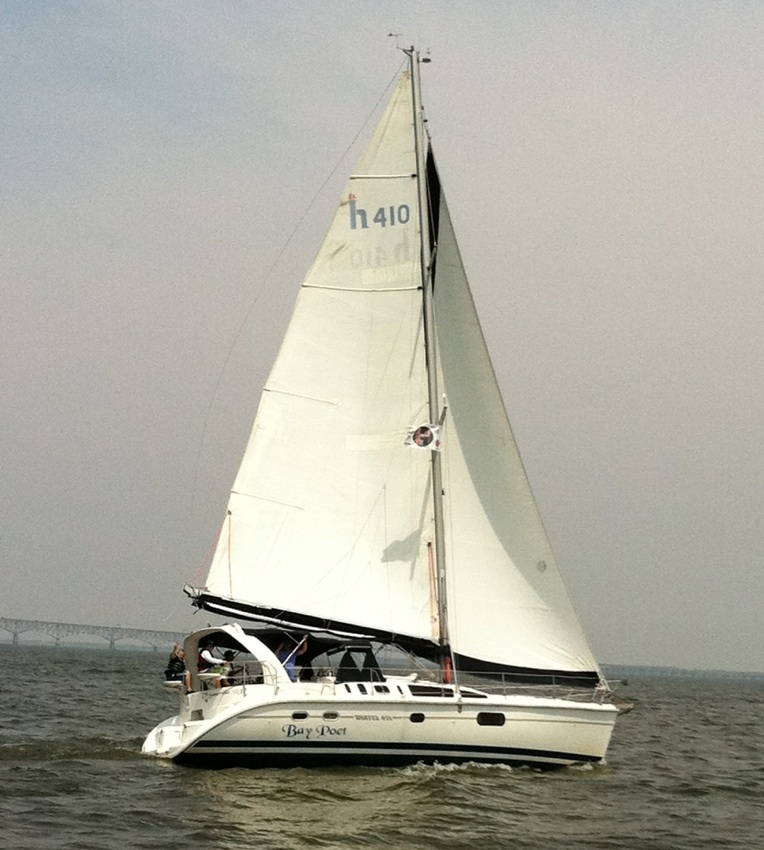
<point>430,691</point>
<point>382,689</point>
<point>362,688</point>
<point>330,715</point>
<point>467,692</point>
<point>299,715</point>
<point>416,717</point>
<point>491,718</point>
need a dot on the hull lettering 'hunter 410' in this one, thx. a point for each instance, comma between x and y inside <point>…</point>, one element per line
<point>405,601</point>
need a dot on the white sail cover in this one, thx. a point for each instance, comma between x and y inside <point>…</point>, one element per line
<point>330,520</point>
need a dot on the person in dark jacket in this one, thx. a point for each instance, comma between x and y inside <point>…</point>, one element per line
<point>176,666</point>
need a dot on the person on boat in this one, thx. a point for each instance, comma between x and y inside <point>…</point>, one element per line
<point>209,663</point>
<point>176,666</point>
<point>231,672</point>
<point>287,655</point>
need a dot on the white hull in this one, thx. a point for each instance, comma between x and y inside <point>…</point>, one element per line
<point>320,723</point>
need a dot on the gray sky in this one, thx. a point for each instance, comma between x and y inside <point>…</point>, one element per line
<point>604,168</point>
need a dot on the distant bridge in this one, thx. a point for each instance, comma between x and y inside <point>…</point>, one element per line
<point>111,633</point>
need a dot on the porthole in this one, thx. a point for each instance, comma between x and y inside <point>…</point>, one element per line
<point>491,718</point>
<point>299,715</point>
<point>416,717</point>
<point>330,715</point>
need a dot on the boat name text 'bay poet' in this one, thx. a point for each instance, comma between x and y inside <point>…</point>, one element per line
<point>291,730</point>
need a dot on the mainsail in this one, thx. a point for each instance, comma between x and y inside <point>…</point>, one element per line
<point>331,520</point>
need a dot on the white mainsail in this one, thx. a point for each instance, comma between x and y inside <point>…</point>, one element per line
<point>329,515</point>
<point>331,522</point>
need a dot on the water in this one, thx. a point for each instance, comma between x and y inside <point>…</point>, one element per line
<point>685,770</point>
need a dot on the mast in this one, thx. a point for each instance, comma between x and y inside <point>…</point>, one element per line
<point>427,256</point>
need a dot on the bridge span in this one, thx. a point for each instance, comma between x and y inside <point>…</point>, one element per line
<point>57,631</point>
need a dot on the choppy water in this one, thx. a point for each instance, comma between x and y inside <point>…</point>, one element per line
<point>685,770</point>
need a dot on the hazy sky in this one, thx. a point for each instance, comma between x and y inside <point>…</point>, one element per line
<point>604,164</point>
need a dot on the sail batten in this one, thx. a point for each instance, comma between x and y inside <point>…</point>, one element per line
<point>362,288</point>
<point>382,176</point>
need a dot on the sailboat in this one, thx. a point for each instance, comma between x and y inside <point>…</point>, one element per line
<point>400,598</point>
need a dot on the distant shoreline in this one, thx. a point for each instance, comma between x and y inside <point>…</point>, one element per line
<point>612,671</point>
<point>628,671</point>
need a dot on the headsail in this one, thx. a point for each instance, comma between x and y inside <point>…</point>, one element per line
<point>508,607</point>
<point>331,520</point>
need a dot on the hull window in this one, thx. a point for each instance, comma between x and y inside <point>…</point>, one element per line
<point>491,718</point>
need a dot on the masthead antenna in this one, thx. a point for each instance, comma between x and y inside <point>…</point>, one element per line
<point>412,52</point>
